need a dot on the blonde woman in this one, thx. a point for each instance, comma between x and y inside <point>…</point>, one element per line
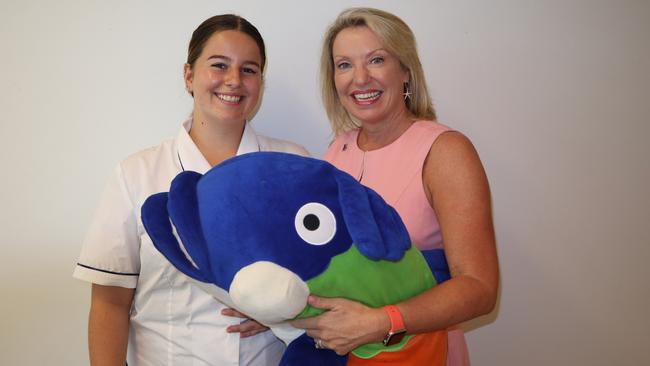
<point>387,137</point>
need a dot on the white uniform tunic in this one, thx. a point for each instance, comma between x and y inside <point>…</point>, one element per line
<point>173,322</point>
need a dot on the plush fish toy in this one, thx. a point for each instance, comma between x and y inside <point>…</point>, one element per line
<point>262,231</point>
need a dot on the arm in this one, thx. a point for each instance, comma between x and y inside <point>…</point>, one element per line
<point>108,324</point>
<point>456,184</point>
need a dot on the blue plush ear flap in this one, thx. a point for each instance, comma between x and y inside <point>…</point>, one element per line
<point>375,227</point>
<point>184,213</point>
<point>155,219</point>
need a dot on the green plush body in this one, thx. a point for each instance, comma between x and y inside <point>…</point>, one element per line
<point>374,283</point>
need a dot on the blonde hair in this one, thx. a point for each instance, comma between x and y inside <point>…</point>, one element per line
<point>398,39</point>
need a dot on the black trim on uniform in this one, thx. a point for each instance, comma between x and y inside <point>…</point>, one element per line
<point>179,159</point>
<point>105,271</point>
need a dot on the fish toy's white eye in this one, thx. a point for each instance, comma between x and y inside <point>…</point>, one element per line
<point>315,223</point>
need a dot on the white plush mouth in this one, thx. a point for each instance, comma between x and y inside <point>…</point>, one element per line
<point>364,97</point>
<point>229,98</point>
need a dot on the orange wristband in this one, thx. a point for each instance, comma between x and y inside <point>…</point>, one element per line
<point>397,327</point>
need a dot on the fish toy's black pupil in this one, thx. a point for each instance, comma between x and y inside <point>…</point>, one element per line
<point>311,222</point>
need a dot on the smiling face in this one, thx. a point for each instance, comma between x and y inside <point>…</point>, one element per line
<point>369,80</point>
<point>226,79</point>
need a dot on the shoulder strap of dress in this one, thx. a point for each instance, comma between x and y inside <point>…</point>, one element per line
<point>425,134</point>
<point>429,132</point>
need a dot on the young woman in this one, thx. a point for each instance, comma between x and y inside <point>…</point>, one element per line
<point>139,301</point>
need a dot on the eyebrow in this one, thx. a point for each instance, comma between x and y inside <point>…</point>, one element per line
<point>229,59</point>
<point>369,53</point>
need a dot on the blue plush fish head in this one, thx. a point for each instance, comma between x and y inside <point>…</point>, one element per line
<point>259,225</point>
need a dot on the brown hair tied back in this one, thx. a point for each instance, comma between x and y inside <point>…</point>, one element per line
<point>219,23</point>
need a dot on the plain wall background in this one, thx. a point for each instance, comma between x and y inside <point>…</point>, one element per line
<point>554,94</point>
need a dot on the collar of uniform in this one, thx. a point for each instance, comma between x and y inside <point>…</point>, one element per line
<point>190,158</point>
<point>248,143</point>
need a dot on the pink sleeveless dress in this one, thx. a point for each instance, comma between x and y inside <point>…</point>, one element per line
<point>395,172</point>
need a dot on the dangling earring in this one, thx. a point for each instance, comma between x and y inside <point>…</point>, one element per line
<point>407,91</point>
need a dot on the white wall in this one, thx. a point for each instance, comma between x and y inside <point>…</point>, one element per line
<point>554,94</point>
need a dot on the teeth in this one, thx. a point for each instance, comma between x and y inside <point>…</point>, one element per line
<point>229,98</point>
<point>366,96</point>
